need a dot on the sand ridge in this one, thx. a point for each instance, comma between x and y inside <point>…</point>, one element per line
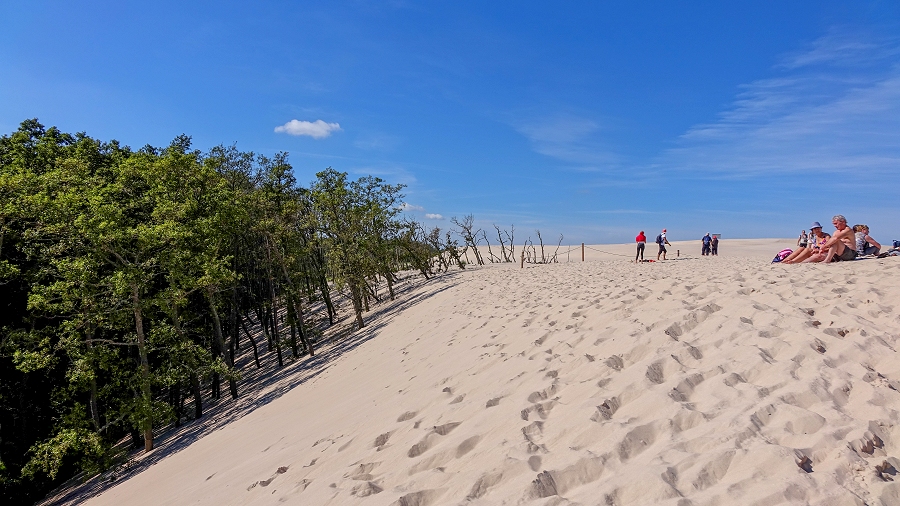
<point>695,381</point>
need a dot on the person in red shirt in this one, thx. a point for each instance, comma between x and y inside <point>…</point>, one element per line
<point>641,241</point>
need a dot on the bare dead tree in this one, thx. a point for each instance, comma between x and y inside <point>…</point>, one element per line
<point>541,241</point>
<point>530,253</point>
<point>558,244</point>
<point>453,252</point>
<point>469,234</point>
<point>491,256</point>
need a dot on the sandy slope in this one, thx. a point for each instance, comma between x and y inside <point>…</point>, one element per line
<point>695,381</point>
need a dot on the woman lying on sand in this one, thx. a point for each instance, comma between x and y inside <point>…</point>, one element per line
<point>816,240</point>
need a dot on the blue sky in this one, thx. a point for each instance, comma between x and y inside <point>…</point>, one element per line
<point>589,119</point>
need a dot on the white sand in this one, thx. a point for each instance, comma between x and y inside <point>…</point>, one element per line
<point>696,381</point>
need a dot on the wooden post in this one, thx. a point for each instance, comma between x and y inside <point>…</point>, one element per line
<point>522,261</point>
<point>678,253</point>
<point>582,252</point>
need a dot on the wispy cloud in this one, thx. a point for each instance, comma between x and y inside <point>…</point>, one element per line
<point>377,142</point>
<point>567,138</point>
<point>836,108</point>
<point>410,207</point>
<point>433,216</point>
<point>316,129</point>
<point>839,47</point>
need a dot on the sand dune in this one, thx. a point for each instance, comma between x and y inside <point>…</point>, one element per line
<point>698,381</point>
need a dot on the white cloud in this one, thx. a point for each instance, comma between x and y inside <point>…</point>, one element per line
<point>410,207</point>
<point>431,216</point>
<point>317,129</point>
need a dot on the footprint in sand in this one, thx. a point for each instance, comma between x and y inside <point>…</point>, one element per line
<point>682,392</point>
<point>542,410</point>
<point>636,441</point>
<point>431,438</point>
<point>266,483</point>
<point>543,394</point>
<point>615,362</point>
<point>409,415</point>
<point>655,373</point>
<point>420,498</point>
<point>362,472</point>
<point>558,482</point>
<point>382,440</point>
<point>485,482</point>
<point>366,489</point>
<point>606,410</point>
<point>467,445</point>
<point>532,433</point>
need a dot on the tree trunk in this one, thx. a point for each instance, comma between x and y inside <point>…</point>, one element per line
<point>298,311</point>
<point>220,342</point>
<point>264,323</point>
<point>273,315</point>
<point>175,400</point>
<point>93,404</point>
<point>252,342</point>
<point>356,297</point>
<point>297,306</point>
<point>326,296</point>
<point>147,398</point>
<point>292,321</point>
<point>390,283</point>
<point>198,396</point>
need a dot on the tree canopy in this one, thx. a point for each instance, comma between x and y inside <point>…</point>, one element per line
<point>129,277</point>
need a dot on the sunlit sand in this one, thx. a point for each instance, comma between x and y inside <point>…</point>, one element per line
<point>699,380</point>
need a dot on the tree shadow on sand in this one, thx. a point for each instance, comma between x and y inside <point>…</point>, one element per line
<point>258,387</point>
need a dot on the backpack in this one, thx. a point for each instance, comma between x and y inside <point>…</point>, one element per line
<point>659,239</point>
<point>782,255</point>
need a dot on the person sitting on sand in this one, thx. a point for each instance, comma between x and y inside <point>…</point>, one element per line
<point>641,241</point>
<point>865,245</point>
<point>803,240</point>
<point>842,245</point>
<point>816,239</point>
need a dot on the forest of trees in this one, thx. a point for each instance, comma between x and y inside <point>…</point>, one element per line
<point>127,279</point>
<point>130,278</point>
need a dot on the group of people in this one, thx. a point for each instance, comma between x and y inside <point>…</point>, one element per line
<point>710,245</point>
<point>847,243</point>
<point>641,241</point>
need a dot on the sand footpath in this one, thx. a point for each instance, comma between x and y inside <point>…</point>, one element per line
<point>697,381</point>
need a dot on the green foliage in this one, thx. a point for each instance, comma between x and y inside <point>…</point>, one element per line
<point>85,446</point>
<point>127,276</point>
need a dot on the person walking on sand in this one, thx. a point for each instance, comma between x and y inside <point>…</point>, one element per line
<point>715,245</point>
<point>641,240</point>
<point>662,241</point>
<point>707,245</point>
